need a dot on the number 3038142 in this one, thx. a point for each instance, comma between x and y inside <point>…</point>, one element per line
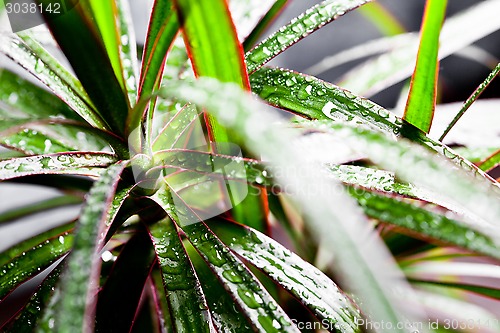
<point>31,8</point>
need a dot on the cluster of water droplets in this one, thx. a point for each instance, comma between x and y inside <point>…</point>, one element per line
<point>313,288</point>
<point>301,26</point>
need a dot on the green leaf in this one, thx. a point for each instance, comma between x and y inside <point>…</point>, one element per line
<point>182,289</point>
<point>491,162</point>
<point>52,76</point>
<point>29,315</point>
<point>162,310</point>
<point>214,50</point>
<point>383,19</point>
<point>65,75</point>
<point>40,206</point>
<point>415,164</point>
<point>301,26</point>
<point>425,222</point>
<point>28,258</point>
<point>120,297</point>
<point>79,280</point>
<point>422,96</point>
<point>313,98</point>
<point>312,287</point>
<point>390,68</point>
<point>371,258</point>
<point>19,98</point>
<point>81,163</point>
<point>171,133</point>
<point>211,40</point>
<point>114,22</point>
<point>472,98</point>
<point>385,181</point>
<point>86,53</point>
<point>476,289</point>
<point>226,316</point>
<point>260,308</point>
<point>162,29</point>
<point>263,23</point>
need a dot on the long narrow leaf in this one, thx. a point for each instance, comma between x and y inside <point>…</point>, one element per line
<point>18,51</point>
<point>80,277</point>
<point>422,96</point>
<point>472,98</point>
<point>86,53</point>
<point>163,27</point>
<point>215,51</point>
<point>41,206</point>
<point>312,98</point>
<point>315,289</point>
<point>392,67</point>
<point>303,25</point>
<point>263,24</point>
<point>85,164</point>
<point>31,312</point>
<point>410,162</point>
<point>425,222</point>
<point>17,263</point>
<point>182,288</point>
<point>226,317</point>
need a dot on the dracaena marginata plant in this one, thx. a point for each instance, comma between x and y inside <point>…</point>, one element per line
<point>181,167</point>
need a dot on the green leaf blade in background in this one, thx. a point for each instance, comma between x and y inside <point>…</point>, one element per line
<point>162,30</point>
<point>27,318</point>
<point>298,28</point>
<point>379,73</point>
<point>422,96</point>
<point>83,47</point>
<point>74,310</point>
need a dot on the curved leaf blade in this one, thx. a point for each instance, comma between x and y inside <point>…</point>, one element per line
<point>83,47</point>
<point>79,280</point>
<point>41,206</point>
<point>28,258</point>
<point>84,163</point>
<point>54,79</point>
<point>29,315</point>
<point>187,303</point>
<point>425,222</point>
<point>312,287</point>
<point>422,96</point>
<point>301,26</point>
<point>313,98</point>
<point>472,98</point>
<point>162,29</point>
